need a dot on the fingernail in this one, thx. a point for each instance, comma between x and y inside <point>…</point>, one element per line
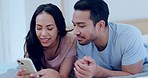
<point>31,74</point>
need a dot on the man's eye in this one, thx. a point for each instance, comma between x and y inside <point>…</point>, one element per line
<point>82,26</point>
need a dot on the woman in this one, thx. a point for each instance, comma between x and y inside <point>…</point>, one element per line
<point>48,44</point>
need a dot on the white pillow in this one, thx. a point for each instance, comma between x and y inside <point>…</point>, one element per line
<point>145,38</point>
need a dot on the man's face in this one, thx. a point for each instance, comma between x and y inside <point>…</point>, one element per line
<point>84,28</point>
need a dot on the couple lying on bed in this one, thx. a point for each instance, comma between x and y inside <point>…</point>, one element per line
<point>102,49</point>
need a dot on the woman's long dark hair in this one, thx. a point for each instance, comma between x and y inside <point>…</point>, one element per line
<point>33,45</point>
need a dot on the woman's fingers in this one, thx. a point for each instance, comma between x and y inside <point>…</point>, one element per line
<point>20,72</point>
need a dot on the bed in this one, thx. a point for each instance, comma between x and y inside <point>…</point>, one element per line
<point>8,70</point>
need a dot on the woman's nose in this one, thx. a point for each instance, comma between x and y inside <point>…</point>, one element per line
<point>44,32</point>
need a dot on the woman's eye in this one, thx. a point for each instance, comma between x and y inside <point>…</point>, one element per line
<point>49,28</point>
<point>39,28</point>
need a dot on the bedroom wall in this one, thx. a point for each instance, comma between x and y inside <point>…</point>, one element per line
<point>0,34</point>
<point>12,17</point>
<point>127,9</point>
<point>119,9</point>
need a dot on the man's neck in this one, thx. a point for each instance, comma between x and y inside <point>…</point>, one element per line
<point>102,41</point>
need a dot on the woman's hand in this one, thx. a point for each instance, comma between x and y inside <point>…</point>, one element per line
<point>48,73</point>
<point>21,75</point>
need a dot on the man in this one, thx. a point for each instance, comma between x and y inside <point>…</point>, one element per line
<point>105,49</point>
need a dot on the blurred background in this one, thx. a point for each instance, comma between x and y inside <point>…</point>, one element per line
<point>15,16</point>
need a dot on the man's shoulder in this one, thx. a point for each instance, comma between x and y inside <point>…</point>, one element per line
<point>123,29</point>
<point>122,26</point>
<point>122,34</point>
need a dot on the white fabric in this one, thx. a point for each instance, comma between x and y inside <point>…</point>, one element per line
<point>145,38</point>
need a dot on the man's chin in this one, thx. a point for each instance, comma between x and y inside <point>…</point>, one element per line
<point>83,43</point>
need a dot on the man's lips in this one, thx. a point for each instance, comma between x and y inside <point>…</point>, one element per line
<point>79,38</point>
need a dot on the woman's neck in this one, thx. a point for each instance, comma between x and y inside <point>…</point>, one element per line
<point>51,51</point>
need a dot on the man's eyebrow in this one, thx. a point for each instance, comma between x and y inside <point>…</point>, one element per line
<point>78,22</point>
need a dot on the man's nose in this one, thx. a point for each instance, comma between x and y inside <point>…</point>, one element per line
<point>76,31</point>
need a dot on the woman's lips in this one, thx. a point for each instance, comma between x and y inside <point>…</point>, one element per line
<point>44,40</point>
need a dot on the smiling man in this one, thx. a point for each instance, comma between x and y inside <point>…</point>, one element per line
<point>105,49</point>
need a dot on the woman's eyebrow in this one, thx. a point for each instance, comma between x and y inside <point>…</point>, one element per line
<point>49,25</point>
<point>38,25</point>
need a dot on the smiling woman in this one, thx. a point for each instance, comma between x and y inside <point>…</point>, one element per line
<point>51,48</point>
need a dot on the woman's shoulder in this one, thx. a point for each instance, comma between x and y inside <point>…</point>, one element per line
<point>68,41</point>
<point>69,37</point>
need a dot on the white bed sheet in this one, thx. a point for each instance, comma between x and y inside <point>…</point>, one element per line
<point>6,66</point>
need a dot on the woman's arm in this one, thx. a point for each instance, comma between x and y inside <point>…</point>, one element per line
<point>64,71</point>
<point>66,67</point>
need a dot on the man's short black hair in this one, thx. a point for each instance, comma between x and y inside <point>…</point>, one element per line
<point>98,9</point>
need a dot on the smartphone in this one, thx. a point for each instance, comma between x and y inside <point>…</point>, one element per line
<point>26,63</point>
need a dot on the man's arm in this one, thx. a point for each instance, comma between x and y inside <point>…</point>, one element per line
<point>84,70</point>
<point>126,70</point>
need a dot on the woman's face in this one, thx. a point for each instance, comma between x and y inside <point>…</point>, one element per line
<point>46,29</point>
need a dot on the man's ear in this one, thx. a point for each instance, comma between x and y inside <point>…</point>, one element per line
<point>100,25</point>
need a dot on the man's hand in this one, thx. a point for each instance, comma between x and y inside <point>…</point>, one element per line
<point>85,67</point>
